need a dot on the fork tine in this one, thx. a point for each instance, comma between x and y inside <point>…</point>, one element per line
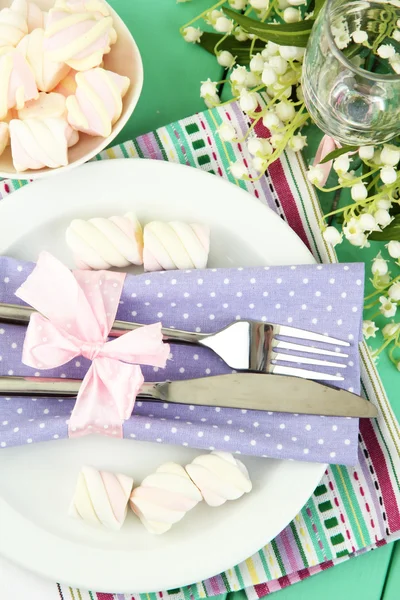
<point>305,360</point>
<point>295,372</point>
<point>280,344</point>
<point>307,335</point>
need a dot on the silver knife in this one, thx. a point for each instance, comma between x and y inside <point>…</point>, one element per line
<point>252,391</point>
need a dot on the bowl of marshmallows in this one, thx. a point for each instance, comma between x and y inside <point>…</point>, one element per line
<point>70,77</point>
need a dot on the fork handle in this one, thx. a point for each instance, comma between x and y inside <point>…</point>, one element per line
<point>20,315</point>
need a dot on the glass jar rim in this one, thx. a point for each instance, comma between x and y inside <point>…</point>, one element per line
<point>344,60</point>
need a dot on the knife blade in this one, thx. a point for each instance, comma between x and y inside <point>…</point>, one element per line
<point>251,391</point>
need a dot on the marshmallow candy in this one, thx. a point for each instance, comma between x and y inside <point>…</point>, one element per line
<point>175,245</point>
<point>101,498</point>
<point>32,14</point>
<point>47,73</point>
<point>103,243</point>
<point>47,106</point>
<point>95,6</point>
<point>164,497</point>
<point>17,82</point>
<point>97,102</point>
<point>38,143</point>
<point>219,477</point>
<point>4,137</point>
<point>13,27</point>
<point>67,86</point>
<point>79,39</point>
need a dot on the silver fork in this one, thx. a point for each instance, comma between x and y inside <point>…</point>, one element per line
<point>244,345</point>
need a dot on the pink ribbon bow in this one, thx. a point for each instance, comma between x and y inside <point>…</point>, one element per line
<point>78,312</point>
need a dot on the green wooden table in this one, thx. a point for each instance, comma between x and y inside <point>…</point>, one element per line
<point>173,70</point>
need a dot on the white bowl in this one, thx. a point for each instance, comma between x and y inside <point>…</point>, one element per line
<point>124,59</point>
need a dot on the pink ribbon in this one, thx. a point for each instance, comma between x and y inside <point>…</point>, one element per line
<point>326,146</point>
<point>78,312</point>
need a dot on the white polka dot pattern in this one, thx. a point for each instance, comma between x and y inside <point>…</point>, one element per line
<point>187,300</point>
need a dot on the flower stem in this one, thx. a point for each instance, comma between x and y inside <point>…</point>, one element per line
<point>201,15</point>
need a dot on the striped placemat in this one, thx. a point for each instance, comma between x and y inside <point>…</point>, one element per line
<point>353,509</point>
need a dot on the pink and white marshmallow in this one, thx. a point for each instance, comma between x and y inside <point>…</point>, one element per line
<point>46,105</point>
<point>47,73</point>
<point>13,27</point>
<point>104,243</point>
<point>101,498</point>
<point>97,102</point>
<point>67,86</point>
<point>49,106</point>
<point>93,6</point>
<point>18,84</point>
<point>164,497</point>
<point>219,477</point>
<point>175,245</point>
<point>31,12</point>
<point>79,39</point>
<point>38,143</point>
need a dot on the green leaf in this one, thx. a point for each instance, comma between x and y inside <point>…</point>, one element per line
<point>239,49</point>
<point>391,232</point>
<point>285,34</point>
<point>319,4</point>
<point>338,152</point>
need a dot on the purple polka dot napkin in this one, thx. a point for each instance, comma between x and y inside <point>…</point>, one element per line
<point>323,298</point>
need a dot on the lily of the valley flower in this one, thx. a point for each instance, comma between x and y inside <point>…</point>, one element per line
<point>208,88</point>
<point>192,34</point>
<point>238,169</point>
<point>291,15</point>
<point>297,142</point>
<point>269,76</point>
<point>226,59</point>
<point>383,217</point>
<point>227,132</point>
<point>386,51</point>
<point>387,307</point>
<point>394,292</point>
<point>366,152</point>
<point>359,192</point>
<point>379,265</point>
<point>390,155</point>
<point>271,121</point>
<point>223,25</point>
<point>315,175</point>
<point>257,63</point>
<point>259,4</point>
<point>342,164</point>
<point>388,175</point>
<point>285,111</point>
<point>367,222</point>
<point>332,235</point>
<point>369,329</point>
<point>278,64</point>
<point>390,329</point>
<point>393,248</point>
<point>248,101</point>
<point>359,37</point>
<point>354,234</point>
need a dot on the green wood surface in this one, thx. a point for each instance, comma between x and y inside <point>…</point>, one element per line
<point>173,71</point>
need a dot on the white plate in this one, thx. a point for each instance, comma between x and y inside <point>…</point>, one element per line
<point>36,483</point>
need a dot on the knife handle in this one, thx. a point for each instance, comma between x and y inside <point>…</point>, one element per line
<point>20,315</point>
<point>47,387</point>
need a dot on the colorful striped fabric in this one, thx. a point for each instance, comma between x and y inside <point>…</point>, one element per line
<point>353,509</point>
